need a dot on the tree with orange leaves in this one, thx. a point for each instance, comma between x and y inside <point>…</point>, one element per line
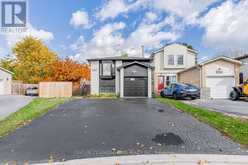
<point>69,70</point>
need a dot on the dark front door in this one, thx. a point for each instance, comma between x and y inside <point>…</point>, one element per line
<point>136,87</point>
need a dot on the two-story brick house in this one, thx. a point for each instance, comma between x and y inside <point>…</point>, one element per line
<point>168,61</point>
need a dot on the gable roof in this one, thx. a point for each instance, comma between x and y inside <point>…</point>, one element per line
<point>137,63</point>
<point>193,67</point>
<point>175,43</point>
<point>211,60</point>
<point>5,70</point>
<point>121,58</point>
<point>221,58</point>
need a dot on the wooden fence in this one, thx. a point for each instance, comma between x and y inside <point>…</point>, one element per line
<point>55,89</point>
<point>18,88</point>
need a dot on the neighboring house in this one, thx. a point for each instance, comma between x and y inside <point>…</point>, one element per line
<point>244,67</point>
<point>123,76</point>
<point>5,81</point>
<point>215,77</point>
<point>168,61</point>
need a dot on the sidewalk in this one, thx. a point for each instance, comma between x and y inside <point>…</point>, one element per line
<point>172,159</point>
<point>11,103</point>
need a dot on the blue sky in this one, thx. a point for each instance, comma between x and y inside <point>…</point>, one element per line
<point>82,29</point>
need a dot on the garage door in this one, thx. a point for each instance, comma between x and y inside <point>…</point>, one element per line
<point>220,87</point>
<point>1,87</point>
<point>136,87</point>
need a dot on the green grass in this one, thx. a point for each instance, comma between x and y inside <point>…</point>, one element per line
<point>35,109</point>
<point>103,96</point>
<point>235,128</point>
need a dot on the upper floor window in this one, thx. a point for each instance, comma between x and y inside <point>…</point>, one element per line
<point>180,60</point>
<point>171,60</point>
<point>107,68</point>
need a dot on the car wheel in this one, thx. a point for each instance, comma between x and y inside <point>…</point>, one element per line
<point>234,96</point>
<point>162,94</point>
<point>193,98</point>
<point>175,96</point>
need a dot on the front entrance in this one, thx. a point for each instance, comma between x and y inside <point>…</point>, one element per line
<point>136,87</point>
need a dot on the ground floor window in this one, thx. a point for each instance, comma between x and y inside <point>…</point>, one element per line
<point>241,78</point>
<point>171,79</point>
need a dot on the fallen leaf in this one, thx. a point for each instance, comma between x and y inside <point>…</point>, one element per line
<point>202,162</point>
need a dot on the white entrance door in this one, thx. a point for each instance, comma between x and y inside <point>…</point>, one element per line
<point>220,87</point>
<point>1,87</point>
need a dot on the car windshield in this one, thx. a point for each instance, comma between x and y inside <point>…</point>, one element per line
<point>123,82</point>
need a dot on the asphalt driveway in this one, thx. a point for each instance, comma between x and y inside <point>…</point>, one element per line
<point>94,128</point>
<point>223,105</point>
<point>10,104</point>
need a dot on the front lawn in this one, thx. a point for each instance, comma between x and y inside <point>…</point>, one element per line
<point>234,128</point>
<point>37,108</point>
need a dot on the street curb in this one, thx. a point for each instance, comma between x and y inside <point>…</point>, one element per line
<point>171,159</point>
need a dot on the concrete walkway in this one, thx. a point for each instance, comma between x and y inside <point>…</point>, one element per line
<point>238,108</point>
<point>10,104</point>
<point>161,159</point>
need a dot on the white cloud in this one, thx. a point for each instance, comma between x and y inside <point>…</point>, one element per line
<point>37,33</point>
<point>151,36</point>
<point>189,10</point>
<point>105,42</point>
<point>80,19</point>
<point>112,9</point>
<point>151,16</point>
<point>225,26</point>
<point>109,41</point>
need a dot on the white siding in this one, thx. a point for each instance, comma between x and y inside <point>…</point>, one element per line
<point>94,83</point>
<point>149,83</point>
<point>175,49</point>
<point>160,61</point>
<point>117,78</point>
<point>220,68</point>
<point>122,82</point>
<point>5,82</point>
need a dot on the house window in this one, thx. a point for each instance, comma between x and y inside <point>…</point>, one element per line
<point>180,60</point>
<point>171,79</point>
<point>241,78</point>
<point>170,59</point>
<point>107,69</point>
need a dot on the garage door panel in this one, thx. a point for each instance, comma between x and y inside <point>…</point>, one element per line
<point>220,87</point>
<point>1,87</point>
<point>136,87</point>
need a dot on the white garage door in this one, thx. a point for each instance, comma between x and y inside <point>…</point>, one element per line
<point>220,87</point>
<point>1,87</point>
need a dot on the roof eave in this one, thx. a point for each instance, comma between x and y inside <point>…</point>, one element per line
<point>224,58</point>
<point>5,70</point>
